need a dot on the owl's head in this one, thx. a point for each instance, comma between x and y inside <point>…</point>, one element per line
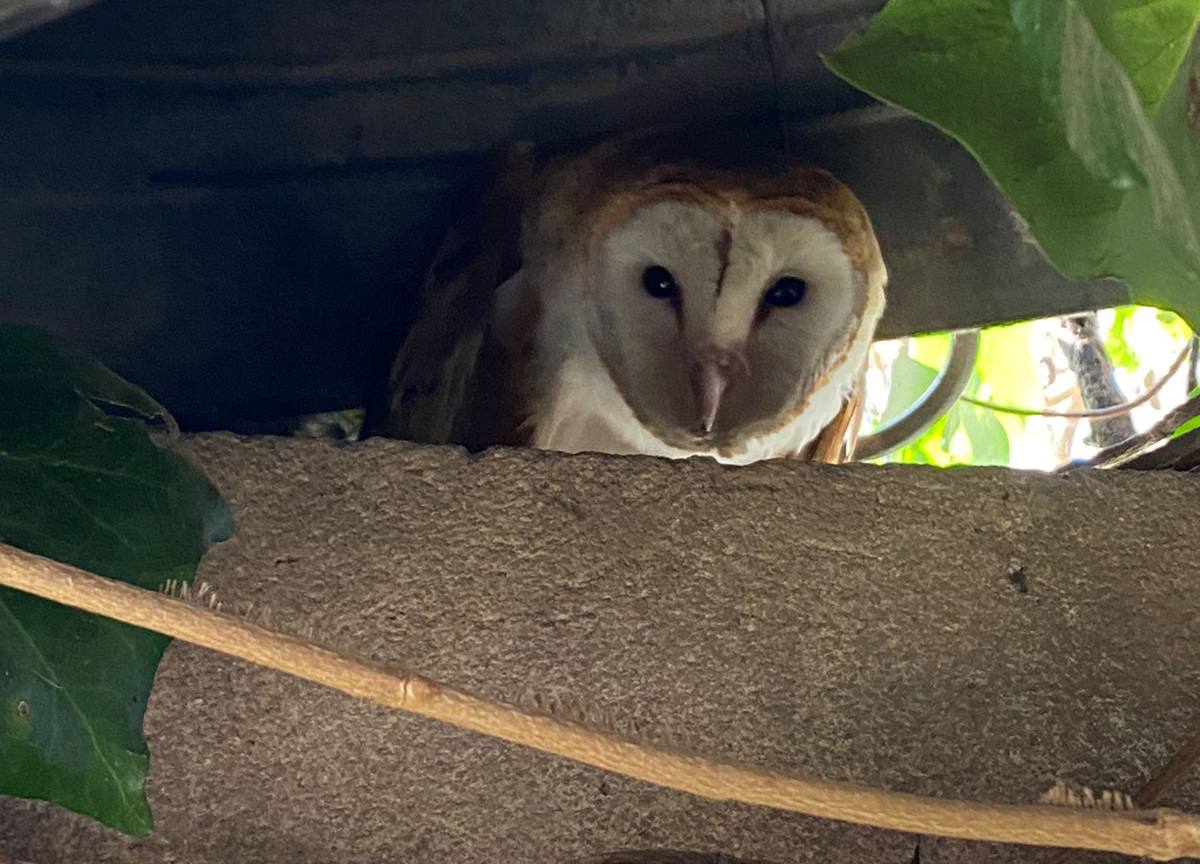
<point>722,303</point>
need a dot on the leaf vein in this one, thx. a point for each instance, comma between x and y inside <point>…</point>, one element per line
<point>66,693</point>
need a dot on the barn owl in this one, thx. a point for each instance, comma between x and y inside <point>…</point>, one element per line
<point>631,301</point>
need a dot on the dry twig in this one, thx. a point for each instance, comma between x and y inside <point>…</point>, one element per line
<point>1091,413</point>
<point>1163,835</point>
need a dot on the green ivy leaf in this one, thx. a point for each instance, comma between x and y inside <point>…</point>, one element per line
<point>1008,366</point>
<point>1174,327</point>
<point>1151,38</point>
<point>83,486</point>
<point>989,441</point>
<point>1084,112</point>
<point>1186,427</point>
<point>910,379</point>
<point>1116,340</point>
<point>952,425</point>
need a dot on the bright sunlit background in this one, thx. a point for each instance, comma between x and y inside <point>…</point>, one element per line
<point>1024,365</point>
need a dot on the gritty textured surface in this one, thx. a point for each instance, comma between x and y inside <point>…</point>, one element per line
<point>972,633</point>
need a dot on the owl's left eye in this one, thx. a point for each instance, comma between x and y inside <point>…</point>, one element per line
<point>787,291</point>
<point>659,283</point>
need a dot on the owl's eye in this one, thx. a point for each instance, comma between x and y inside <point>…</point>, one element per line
<point>659,282</point>
<point>787,291</point>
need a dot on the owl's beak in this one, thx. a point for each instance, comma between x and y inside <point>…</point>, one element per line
<point>709,381</point>
<point>712,370</point>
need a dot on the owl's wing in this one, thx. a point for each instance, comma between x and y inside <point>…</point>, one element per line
<point>450,382</point>
<point>835,443</point>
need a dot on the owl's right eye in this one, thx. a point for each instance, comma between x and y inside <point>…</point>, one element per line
<point>659,283</point>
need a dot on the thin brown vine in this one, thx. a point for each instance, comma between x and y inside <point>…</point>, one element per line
<point>1159,834</point>
<point>1090,413</point>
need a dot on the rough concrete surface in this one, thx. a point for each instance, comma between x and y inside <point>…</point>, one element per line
<point>973,633</point>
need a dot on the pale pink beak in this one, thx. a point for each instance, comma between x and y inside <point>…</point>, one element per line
<point>711,373</point>
<point>709,381</point>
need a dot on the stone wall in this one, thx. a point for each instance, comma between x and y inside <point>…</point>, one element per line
<point>968,633</point>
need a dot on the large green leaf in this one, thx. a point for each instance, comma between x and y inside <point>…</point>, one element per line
<point>1086,113</point>
<point>82,485</point>
<point>909,380</point>
<point>989,441</point>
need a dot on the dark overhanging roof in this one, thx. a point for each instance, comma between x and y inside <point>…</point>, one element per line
<point>18,16</point>
<point>225,200</point>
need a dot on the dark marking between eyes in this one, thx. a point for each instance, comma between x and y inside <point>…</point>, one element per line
<point>724,242</point>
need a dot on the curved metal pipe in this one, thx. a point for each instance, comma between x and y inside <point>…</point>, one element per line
<point>937,399</point>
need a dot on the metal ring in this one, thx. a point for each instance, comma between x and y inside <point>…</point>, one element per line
<point>937,399</point>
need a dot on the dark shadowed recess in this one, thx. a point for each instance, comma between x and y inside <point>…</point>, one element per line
<point>230,202</point>
<point>18,16</point>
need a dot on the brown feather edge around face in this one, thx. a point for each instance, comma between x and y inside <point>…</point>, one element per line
<point>804,190</point>
<point>850,224</point>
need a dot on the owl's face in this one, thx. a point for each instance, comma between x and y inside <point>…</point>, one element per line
<point>718,320</point>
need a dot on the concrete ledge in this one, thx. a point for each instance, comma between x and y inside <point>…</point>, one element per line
<point>971,633</point>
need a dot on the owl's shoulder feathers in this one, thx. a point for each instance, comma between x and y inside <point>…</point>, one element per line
<point>455,374</point>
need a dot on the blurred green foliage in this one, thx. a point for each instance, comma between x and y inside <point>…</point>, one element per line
<point>1084,113</point>
<point>1011,371</point>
